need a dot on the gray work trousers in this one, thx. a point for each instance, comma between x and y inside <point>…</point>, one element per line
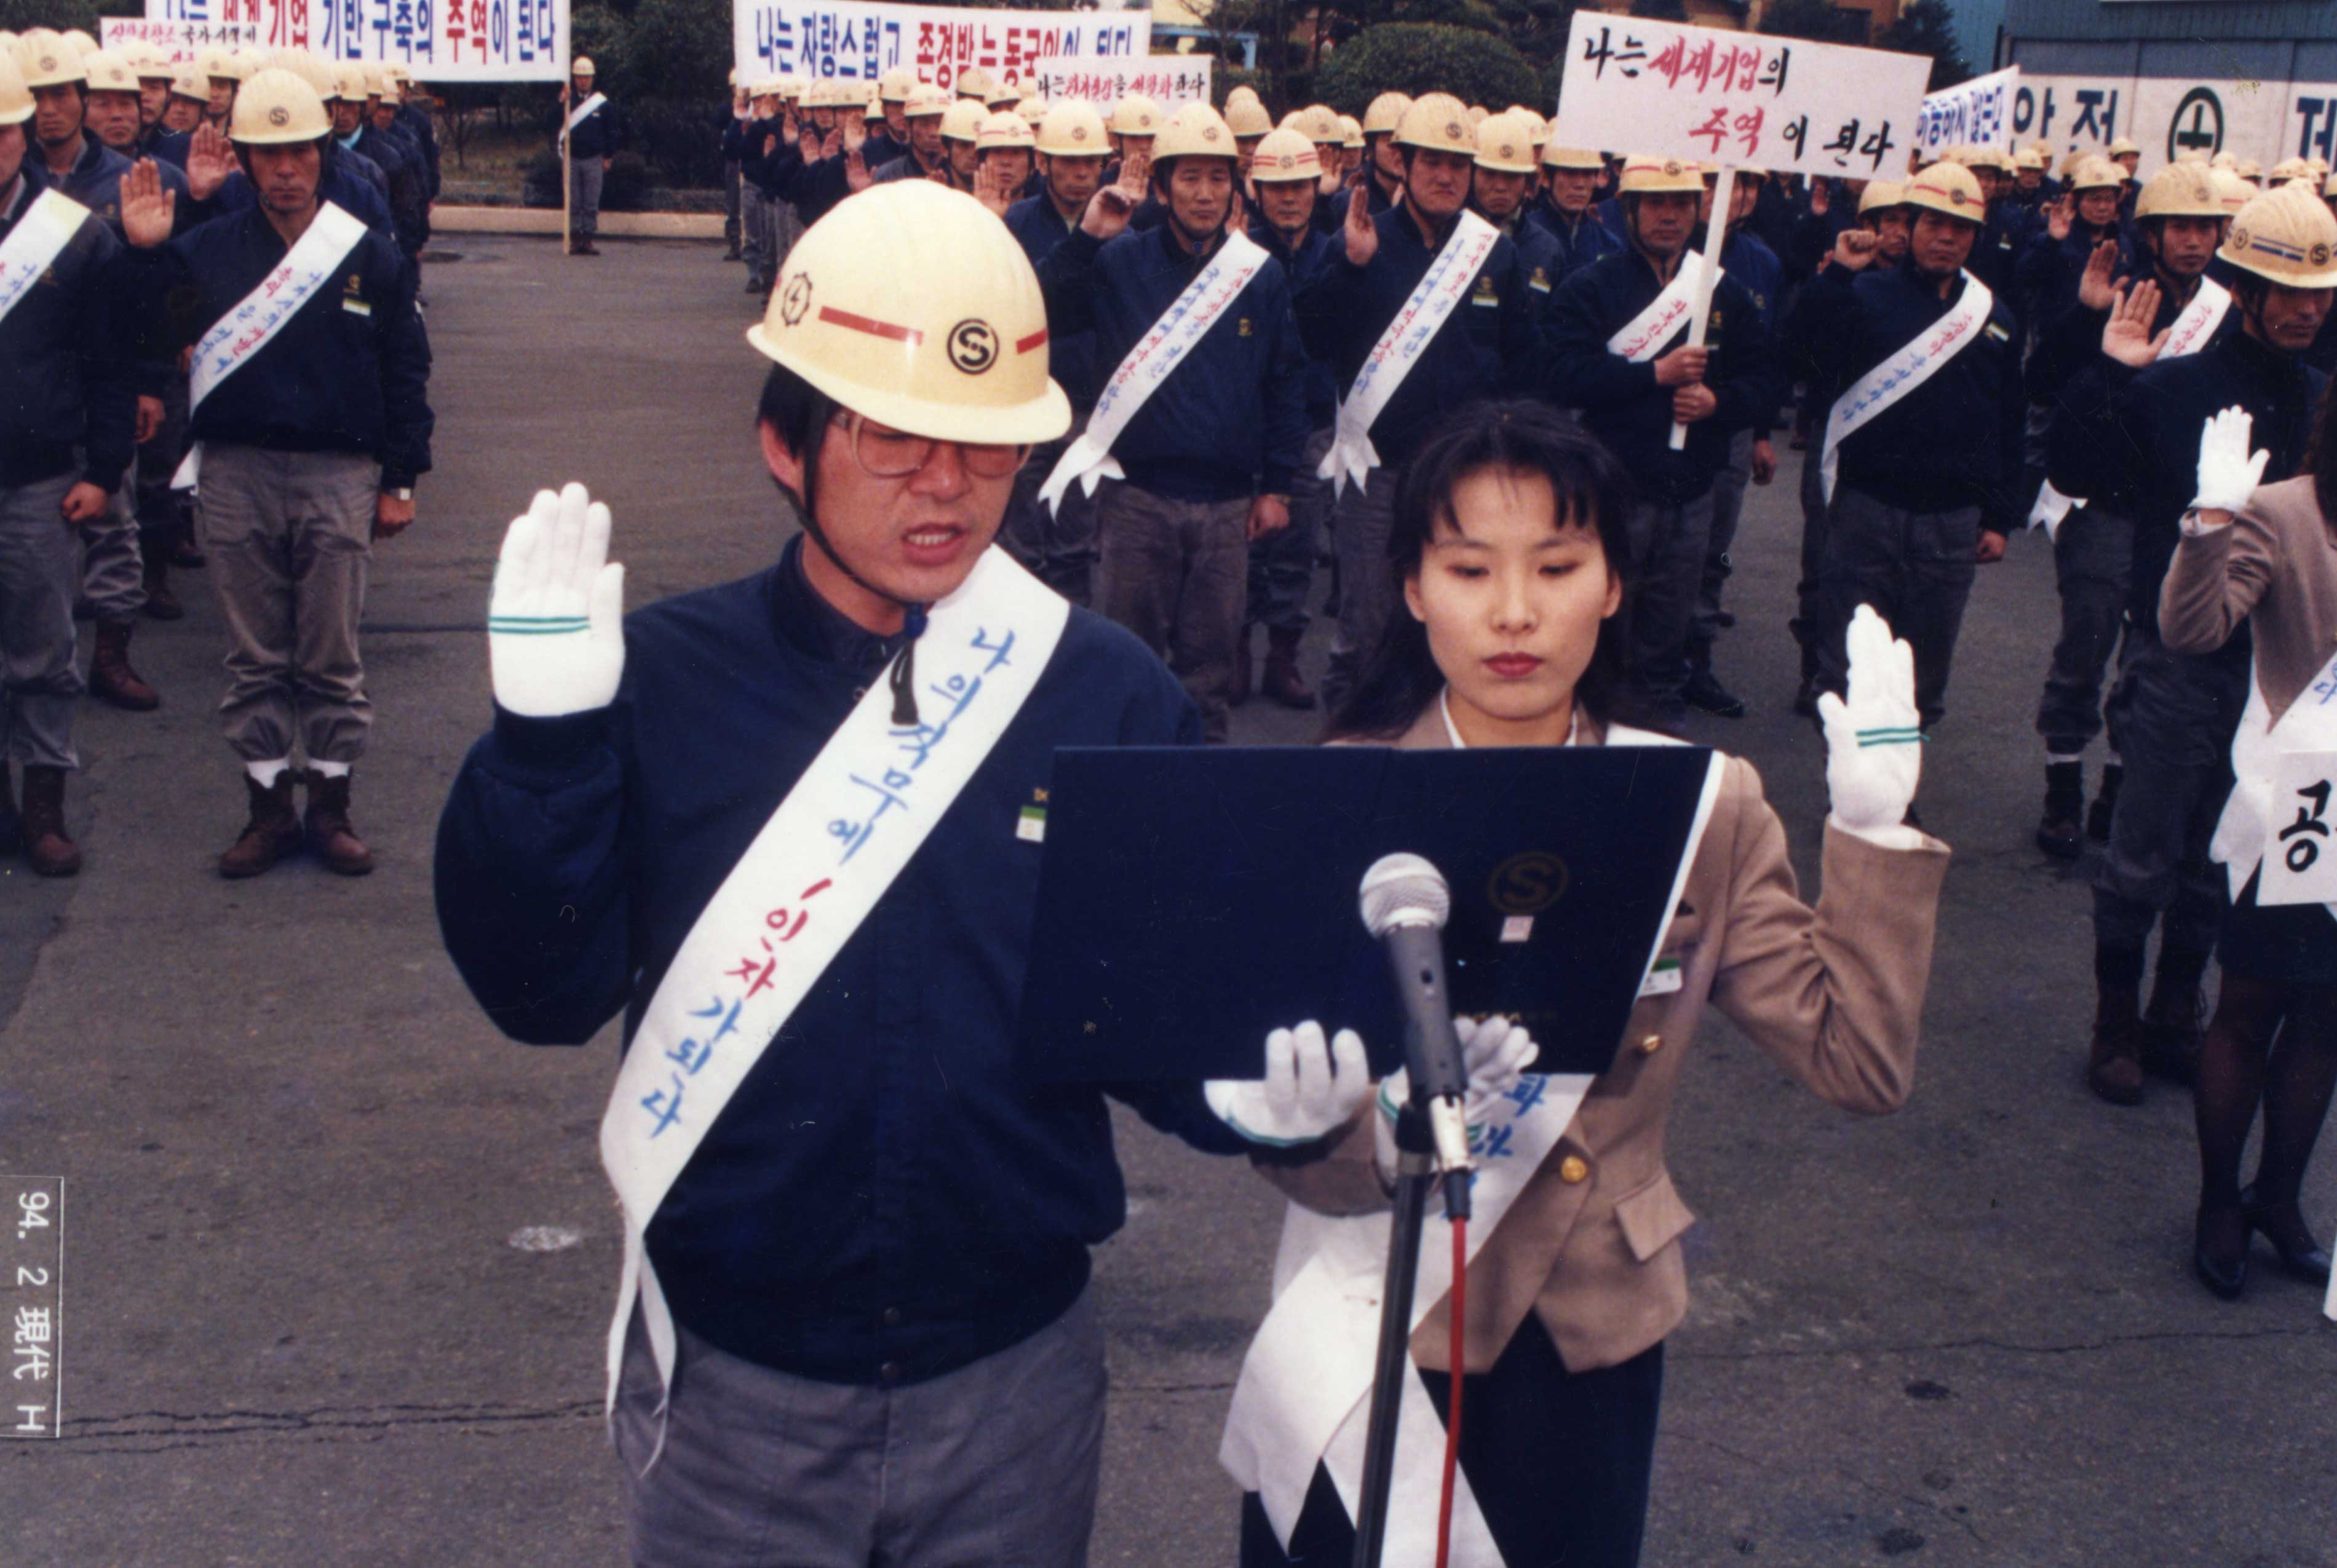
<point>1916,568</point>
<point>40,567</point>
<point>1174,572</point>
<point>1058,547</point>
<point>1362,517</point>
<point>2171,718</point>
<point>756,234</point>
<point>584,199</point>
<point>995,1464</point>
<point>1282,565</point>
<point>731,182</point>
<point>112,567</point>
<point>289,536</point>
<point>2093,558</point>
<point>1667,550</point>
<point>1727,510</point>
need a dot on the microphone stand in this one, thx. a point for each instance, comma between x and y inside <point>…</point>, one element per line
<point>1415,1173</point>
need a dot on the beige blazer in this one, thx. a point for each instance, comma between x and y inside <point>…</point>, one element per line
<point>1591,1244</point>
<point>2274,565</point>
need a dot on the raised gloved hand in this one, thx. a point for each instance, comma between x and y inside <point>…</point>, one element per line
<point>1874,753</point>
<point>1494,1051</point>
<point>555,622</point>
<point>2228,476</point>
<point>1311,1089</point>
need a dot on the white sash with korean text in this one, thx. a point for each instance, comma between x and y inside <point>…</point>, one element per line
<point>580,114</point>
<point>1304,1396</point>
<point>1432,300</point>
<point>1920,359</point>
<point>813,873</point>
<point>1157,353</point>
<point>49,224</point>
<point>1655,328</point>
<point>311,263</point>
<point>2280,816</point>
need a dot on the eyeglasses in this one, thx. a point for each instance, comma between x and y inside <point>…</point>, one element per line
<point>883,453</point>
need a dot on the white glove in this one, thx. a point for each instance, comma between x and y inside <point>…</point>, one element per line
<point>555,621</point>
<point>2227,474</point>
<point>1494,1050</point>
<point>1874,753</point>
<point>1311,1088</point>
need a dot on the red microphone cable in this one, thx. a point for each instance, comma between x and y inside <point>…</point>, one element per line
<point>1453,1415</point>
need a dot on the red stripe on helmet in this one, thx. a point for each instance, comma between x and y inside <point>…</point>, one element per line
<point>908,335</point>
<point>1036,340</point>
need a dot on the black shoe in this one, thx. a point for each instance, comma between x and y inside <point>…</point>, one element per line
<point>1704,692</point>
<point>2299,1255</point>
<point>2058,834</point>
<point>2097,820</point>
<point>2226,1277</point>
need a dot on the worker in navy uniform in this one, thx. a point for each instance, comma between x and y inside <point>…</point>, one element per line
<point>2171,715</point>
<point>926,157</point>
<point>183,111</point>
<point>1925,491</point>
<point>344,94</point>
<point>884,144</point>
<point>1716,390</point>
<point>1501,187</point>
<point>2180,222</point>
<point>1381,178</point>
<point>308,450</point>
<point>402,166</point>
<point>2004,240</point>
<point>585,152</point>
<point>1134,121</point>
<point>66,440</point>
<point>766,154</point>
<point>223,71</point>
<point>1005,160</point>
<point>1562,210</point>
<point>1210,456</point>
<point>413,118</point>
<point>1490,346</point>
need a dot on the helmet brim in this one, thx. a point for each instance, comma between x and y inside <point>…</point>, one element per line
<point>1042,419</point>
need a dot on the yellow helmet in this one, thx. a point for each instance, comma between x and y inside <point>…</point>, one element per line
<point>1243,92</point>
<point>349,84</point>
<point>1283,156</point>
<point>1294,120</point>
<point>275,107</point>
<point>79,42</point>
<point>895,85</point>
<point>1322,125</point>
<point>1949,189</point>
<point>150,62</point>
<point>1505,144</point>
<point>2286,169</point>
<point>956,353</point>
<point>2231,192</point>
<point>103,72</point>
<point>926,100</point>
<point>219,64</point>
<point>45,58</point>
<point>2029,158</point>
<point>1351,130</point>
<point>15,98</point>
<point>2093,173</point>
<point>1439,122</point>
<point>1195,130</point>
<point>1134,115</point>
<point>1002,128</point>
<point>2286,235</point>
<point>973,82</point>
<point>961,121</point>
<point>2124,145</point>
<point>187,80</point>
<point>1247,117</point>
<point>1385,113</point>
<point>1880,194</point>
<point>1553,156</point>
<point>1033,112</point>
<point>1644,174</point>
<point>1478,115</point>
<point>2179,190</point>
<point>1072,128</point>
<point>381,84</point>
<point>582,66</point>
<point>2227,158</point>
<point>2251,169</point>
<point>1005,95</point>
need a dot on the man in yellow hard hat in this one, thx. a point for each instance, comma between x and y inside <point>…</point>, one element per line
<point>729,128</point>
<point>897,1258</point>
<point>589,139</point>
<point>927,158</point>
<point>183,111</point>
<point>309,429</point>
<point>222,70</point>
<point>1382,178</point>
<point>1563,207</point>
<point>892,90</point>
<point>1004,154</point>
<point>767,156</point>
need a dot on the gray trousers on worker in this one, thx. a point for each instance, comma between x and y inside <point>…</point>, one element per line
<point>731,183</point>
<point>1916,568</point>
<point>1361,519</point>
<point>288,534</point>
<point>2171,718</point>
<point>40,569</point>
<point>1175,573</point>
<point>1667,550</point>
<point>1056,546</point>
<point>994,1465</point>
<point>113,566</point>
<point>2093,557</point>
<point>755,215</point>
<point>1282,565</point>
<point>1727,510</point>
<point>584,197</point>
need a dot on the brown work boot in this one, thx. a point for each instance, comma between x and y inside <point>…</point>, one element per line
<point>161,604</point>
<point>2114,1069</point>
<point>331,837</point>
<point>109,675</point>
<point>272,832</point>
<point>46,847</point>
<point>1282,681</point>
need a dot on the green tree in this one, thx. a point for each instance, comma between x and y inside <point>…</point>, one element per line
<point>1659,10</point>
<point>1929,27</point>
<point>1414,58</point>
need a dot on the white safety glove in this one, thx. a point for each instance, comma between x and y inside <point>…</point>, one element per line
<point>555,621</point>
<point>2228,476</point>
<point>1874,752</point>
<point>1494,1049</point>
<point>1311,1088</point>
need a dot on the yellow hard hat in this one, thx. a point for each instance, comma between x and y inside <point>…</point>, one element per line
<point>1505,144</point>
<point>1195,130</point>
<point>973,82</point>
<point>2289,168</point>
<point>2286,235</point>
<point>2227,158</point>
<point>79,42</point>
<point>961,121</point>
<point>1995,158</point>
<point>187,80</point>
<point>1385,113</point>
<point>149,62</point>
<point>2179,190</point>
<point>1033,111</point>
<point>1134,115</point>
<point>1243,92</point>
<point>1322,125</point>
<point>1351,131</point>
<point>1881,193</point>
<point>1247,117</point>
<point>926,100</point>
<point>1294,120</point>
<point>1002,128</point>
<point>1949,189</point>
<point>1439,122</point>
<point>1284,156</point>
<point>2231,191</point>
<point>1478,115</point>
<point>276,106</point>
<point>2028,157</point>
<point>873,111</point>
<point>317,73</point>
<point>15,98</point>
<point>103,72</point>
<point>349,84</point>
<point>1005,95</point>
<point>1553,156</point>
<point>2124,145</point>
<point>2093,173</point>
<point>894,86</point>
<point>1644,174</point>
<point>954,353</point>
<point>1072,128</point>
<point>381,84</point>
<point>45,58</point>
<point>582,66</point>
<point>250,61</point>
<point>2249,169</point>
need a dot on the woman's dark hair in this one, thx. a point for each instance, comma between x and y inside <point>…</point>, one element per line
<point>1400,677</point>
<point>798,413</point>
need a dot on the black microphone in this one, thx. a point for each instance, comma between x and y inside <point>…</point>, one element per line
<point>1404,902</point>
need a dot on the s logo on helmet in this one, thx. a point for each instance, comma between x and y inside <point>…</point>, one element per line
<point>1079,133</point>
<point>973,347</point>
<point>795,299</point>
<point>2239,239</point>
<point>280,116</point>
<point>2318,255</point>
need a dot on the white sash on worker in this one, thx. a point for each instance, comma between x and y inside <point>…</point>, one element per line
<point>578,115</point>
<point>813,873</point>
<point>1653,330</point>
<point>312,262</point>
<point>1921,357</point>
<point>49,224</point>
<point>1304,1396</point>
<point>1157,353</point>
<point>1456,265</point>
<point>2260,804</point>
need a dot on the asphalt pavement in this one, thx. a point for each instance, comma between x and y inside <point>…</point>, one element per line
<point>339,1257</point>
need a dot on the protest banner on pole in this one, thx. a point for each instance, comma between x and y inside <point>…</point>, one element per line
<point>437,40</point>
<point>1166,78</point>
<point>1735,101</point>
<point>1976,114</point>
<point>859,41</point>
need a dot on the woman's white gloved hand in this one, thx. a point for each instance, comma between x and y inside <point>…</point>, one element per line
<point>1311,1088</point>
<point>1494,1050</point>
<point>2228,473</point>
<point>555,621</point>
<point>1874,753</point>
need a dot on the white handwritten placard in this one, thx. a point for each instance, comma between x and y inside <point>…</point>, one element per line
<point>179,42</point>
<point>437,40</point>
<point>859,40</point>
<point>1975,114</point>
<point>1168,79</point>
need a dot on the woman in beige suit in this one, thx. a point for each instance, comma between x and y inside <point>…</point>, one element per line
<point>1507,541</point>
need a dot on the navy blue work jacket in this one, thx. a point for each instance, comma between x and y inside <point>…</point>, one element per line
<point>1298,265</point>
<point>1037,229</point>
<point>65,360</point>
<point>1580,240</point>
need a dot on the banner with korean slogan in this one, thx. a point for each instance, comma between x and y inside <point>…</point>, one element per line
<point>859,41</point>
<point>1741,99</point>
<point>1166,78</point>
<point>1977,113</point>
<point>179,42</point>
<point>437,40</point>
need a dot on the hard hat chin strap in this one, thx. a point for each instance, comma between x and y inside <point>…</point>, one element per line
<point>904,675</point>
